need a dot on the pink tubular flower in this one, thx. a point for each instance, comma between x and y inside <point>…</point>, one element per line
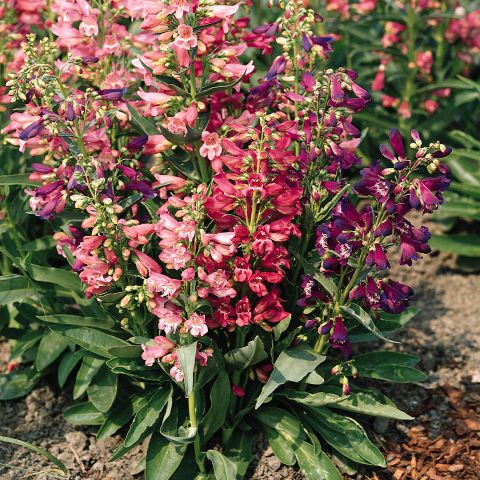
<point>196,325</point>
<point>169,320</point>
<point>177,373</point>
<point>165,286</point>
<point>161,347</point>
<point>211,147</point>
<point>186,38</point>
<point>175,257</point>
<point>238,391</point>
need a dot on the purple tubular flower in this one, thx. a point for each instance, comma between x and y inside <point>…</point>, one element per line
<point>339,339</point>
<point>378,258</point>
<point>384,229</point>
<point>337,96</point>
<point>137,143</point>
<point>396,142</point>
<point>442,154</point>
<point>41,168</point>
<point>310,323</point>
<point>32,130</point>
<point>386,152</point>
<point>306,42</point>
<point>395,297</point>
<point>70,113</point>
<point>374,183</point>
<point>278,66</point>
<point>112,93</point>
<point>326,327</point>
<point>268,29</point>
<point>89,59</point>
<point>143,187</point>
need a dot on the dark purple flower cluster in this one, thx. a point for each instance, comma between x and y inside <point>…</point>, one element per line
<point>353,244</point>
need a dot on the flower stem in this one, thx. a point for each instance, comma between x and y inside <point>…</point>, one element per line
<point>199,458</point>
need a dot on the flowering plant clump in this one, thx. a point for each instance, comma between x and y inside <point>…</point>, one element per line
<point>230,263</point>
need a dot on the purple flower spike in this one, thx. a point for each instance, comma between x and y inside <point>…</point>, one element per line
<point>396,142</point>
<point>32,130</point>
<point>339,339</point>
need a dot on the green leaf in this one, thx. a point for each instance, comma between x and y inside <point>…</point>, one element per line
<point>183,163</point>
<point>143,124</point>
<point>103,389</point>
<point>84,414</point>
<point>239,449</point>
<point>223,467</point>
<point>130,351</point>
<point>13,288</point>
<point>244,357</point>
<point>314,466</point>
<point>366,402</point>
<point>106,323</point>
<point>18,179</point>
<point>58,276</point>
<point>116,419</point>
<point>218,87</point>
<point>281,448</point>
<point>89,368</point>
<point>317,399</point>
<point>18,383</point>
<point>472,191</point>
<point>50,348</point>
<point>40,244</point>
<point>147,416</point>
<point>291,365</point>
<point>468,245</point>
<point>369,402</point>
<point>186,360</point>
<point>163,458</point>
<point>390,366</point>
<point>67,364</point>
<point>219,402</point>
<point>282,422</point>
<point>26,342</point>
<point>91,340</point>
<point>345,435</point>
<point>38,450</point>
<point>358,313</point>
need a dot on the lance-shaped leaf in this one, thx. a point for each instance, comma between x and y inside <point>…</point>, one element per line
<point>223,467</point>
<point>358,313</point>
<point>163,458</point>
<point>291,365</point>
<point>244,357</point>
<point>218,87</point>
<point>315,466</point>
<point>38,450</point>
<point>186,360</point>
<point>143,124</point>
<point>84,414</point>
<point>147,416</point>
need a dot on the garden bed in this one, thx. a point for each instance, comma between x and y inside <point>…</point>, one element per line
<point>442,443</point>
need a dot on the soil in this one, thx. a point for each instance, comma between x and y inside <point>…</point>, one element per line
<point>443,442</point>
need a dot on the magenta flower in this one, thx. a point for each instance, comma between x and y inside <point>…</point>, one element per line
<point>340,340</point>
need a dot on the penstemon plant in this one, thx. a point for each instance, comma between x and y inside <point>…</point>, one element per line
<point>231,259</point>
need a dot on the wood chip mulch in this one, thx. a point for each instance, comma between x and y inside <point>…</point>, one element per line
<point>454,454</point>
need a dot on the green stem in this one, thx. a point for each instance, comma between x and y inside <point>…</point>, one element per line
<point>199,458</point>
